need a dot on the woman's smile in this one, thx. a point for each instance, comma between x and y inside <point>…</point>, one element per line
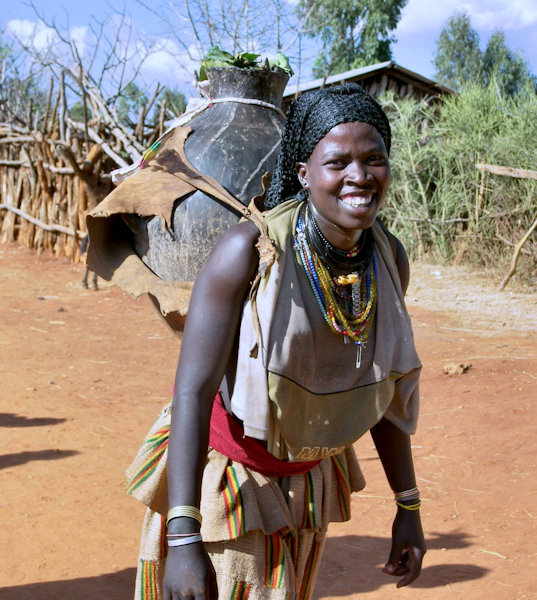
<point>356,199</point>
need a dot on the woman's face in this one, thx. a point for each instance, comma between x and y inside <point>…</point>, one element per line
<point>347,174</point>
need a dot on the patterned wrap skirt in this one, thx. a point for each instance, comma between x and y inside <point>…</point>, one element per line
<point>264,535</point>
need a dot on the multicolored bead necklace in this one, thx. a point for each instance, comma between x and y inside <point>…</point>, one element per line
<point>350,315</point>
<point>329,252</point>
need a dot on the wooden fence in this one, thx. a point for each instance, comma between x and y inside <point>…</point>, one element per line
<point>46,187</point>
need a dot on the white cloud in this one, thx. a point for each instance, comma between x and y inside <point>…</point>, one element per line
<point>32,33</point>
<point>170,64</point>
<point>79,37</point>
<point>40,37</point>
<point>423,15</point>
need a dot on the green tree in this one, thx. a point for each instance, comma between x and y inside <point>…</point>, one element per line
<point>175,105</point>
<point>22,99</point>
<point>132,98</point>
<point>175,102</point>
<point>76,111</point>
<point>505,66</point>
<point>353,33</point>
<point>458,58</point>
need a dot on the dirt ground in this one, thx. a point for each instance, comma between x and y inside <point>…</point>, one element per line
<point>83,374</point>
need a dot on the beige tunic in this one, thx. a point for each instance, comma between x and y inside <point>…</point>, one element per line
<point>303,392</point>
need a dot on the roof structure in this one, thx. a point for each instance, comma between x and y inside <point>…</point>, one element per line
<point>376,79</point>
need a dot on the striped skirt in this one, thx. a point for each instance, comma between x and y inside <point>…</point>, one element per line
<point>264,534</point>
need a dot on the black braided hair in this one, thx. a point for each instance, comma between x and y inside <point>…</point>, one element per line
<point>309,118</point>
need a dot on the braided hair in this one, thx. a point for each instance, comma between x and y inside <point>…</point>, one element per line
<point>309,118</point>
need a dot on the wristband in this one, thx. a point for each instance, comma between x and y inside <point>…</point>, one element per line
<point>184,541</point>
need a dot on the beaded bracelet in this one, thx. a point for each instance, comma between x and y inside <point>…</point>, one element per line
<point>192,539</point>
<point>184,511</point>
<point>411,494</point>
<point>409,506</point>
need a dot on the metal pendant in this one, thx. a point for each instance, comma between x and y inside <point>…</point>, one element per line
<point>359,356</point>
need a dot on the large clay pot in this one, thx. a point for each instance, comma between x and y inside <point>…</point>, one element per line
<point>233,142</point>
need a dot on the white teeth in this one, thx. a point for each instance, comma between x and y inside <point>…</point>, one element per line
<point>356,201</point>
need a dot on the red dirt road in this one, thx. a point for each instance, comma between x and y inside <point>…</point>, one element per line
<point>83,374</point>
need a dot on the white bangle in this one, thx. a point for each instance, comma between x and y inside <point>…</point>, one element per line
<point>184,541</point>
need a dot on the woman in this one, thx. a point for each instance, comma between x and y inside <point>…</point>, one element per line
<point>319,353</point>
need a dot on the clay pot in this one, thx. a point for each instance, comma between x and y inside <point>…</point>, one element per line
<point>233,142</point>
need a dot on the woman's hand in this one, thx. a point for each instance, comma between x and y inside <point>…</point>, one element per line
<point>189,574</point>
<point>408,547</point>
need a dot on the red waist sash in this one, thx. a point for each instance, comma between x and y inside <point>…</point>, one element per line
<point>227,437</point>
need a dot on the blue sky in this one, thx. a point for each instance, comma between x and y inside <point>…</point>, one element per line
<point>416,34</point>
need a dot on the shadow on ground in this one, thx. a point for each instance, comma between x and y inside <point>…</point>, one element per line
<point>112,586</point>
<point>352,565</point>
<point>20,458</point>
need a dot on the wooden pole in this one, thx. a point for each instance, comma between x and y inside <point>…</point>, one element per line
<point>41,224</point>
<point>507,171</point>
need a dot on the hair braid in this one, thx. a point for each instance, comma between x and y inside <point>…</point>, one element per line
<point>309,118</point>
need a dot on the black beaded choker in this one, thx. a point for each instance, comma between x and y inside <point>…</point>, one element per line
<point>354,259</point>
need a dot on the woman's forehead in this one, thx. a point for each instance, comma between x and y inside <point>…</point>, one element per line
<point>351,134</point>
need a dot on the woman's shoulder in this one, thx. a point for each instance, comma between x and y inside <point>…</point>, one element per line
<point>236,246</point>
<point>281,220</point>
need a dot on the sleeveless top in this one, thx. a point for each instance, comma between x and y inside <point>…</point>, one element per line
<point>302,392</point>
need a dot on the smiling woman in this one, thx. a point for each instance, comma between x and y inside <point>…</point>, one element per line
<point>277,380</point>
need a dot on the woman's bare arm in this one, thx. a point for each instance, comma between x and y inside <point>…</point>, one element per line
<point>408,543</point>
<point>213,319</point>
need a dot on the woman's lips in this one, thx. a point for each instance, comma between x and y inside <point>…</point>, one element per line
<point>356,200</point>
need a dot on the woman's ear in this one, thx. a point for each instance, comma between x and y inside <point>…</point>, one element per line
<point>302,174</point>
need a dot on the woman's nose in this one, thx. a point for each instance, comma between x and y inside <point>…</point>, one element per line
<point>357,172</point>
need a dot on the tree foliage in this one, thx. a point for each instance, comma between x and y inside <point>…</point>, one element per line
<point>172,100</point>
<point>22,97</point>
<point>131,100</point>
<point>505,66</point>
<point>459,59</point>
<point>352,33</point>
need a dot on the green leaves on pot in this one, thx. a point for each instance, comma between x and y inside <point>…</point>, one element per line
<point>216,57</point>
<point>280,61</point>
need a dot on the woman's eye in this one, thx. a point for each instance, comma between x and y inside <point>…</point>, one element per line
<point>336,163</point>
<point>377,159</point>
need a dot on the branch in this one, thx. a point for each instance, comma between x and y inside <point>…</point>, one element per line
<point>516,253</point>
<point>507,171</point>
<point>106,147</point>
<point>53,228</point>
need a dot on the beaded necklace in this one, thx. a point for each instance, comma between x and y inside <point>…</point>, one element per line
<point>358,256</point>
<point>352,315</point>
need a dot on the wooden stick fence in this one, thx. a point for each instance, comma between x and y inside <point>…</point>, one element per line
<point>52,174</point>
<point>46,187</point>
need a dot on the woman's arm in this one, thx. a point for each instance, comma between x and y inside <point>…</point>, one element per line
<point>211,327</point>
<point>408,543</point>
